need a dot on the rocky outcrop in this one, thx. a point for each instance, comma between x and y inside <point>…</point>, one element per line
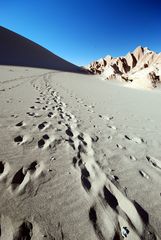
<point>154,79</point>
<point>139,64</point>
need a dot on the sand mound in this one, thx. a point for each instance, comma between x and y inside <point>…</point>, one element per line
<point>19,51</point>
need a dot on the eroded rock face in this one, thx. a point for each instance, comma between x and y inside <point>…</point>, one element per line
<point>154,79</point>
<point>141,63</point>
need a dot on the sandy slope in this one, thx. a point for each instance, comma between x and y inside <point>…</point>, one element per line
<point>79,158</point>
<point>17,50</point>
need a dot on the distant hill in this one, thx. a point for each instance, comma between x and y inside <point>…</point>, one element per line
<point>20,51</point>
<point>141,67</point>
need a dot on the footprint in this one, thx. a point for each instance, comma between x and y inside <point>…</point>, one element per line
<point>135,139</point>
<point>37,115</point>
<point>74,161</point>
<point>81,149</point>
<point>50,114</point>
<point>85,172</point>
<point>144,174</point>
<point>42,125</point>
<point>81,138</point>
<point>94,220</point>
<point>138,140</point>
<point>25,175</point>
<point>32,167</point>
<point>20,124</point>
<point>4,170</point>
<point>107,118</point>
<point>110,198</point>
<point>114,178</point>
<point>14,115</point>
<point>120,146</point>
<point>133,158</point>
<point>95,139</point>
<point>154,161</point>
<point>112,127</point>
<point>33,107</point>
<point>109,137</point>
<point>31,114</point>
<point>93,216</point>
<point>41,143</point>
<point>18,139</point>
<point>38,102</point>
<point>127,137</point>
<point>46,141</point>
<point>36,169</point>
<point>24,232</point>
<point>1,167</point>
<point>61,116</point>
<point>45,137</point>
<point>71,143</point>
<point>18,179</point>
<point>84,179</point>
<point>69,132</point>
<point>124,232</point>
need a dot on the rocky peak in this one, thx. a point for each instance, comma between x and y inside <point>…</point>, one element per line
<point>129,66</point>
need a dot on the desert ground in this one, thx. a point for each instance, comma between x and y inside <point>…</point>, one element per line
<point>79,157</point>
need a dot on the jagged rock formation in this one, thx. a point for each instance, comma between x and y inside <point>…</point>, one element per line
<point>141,67</point>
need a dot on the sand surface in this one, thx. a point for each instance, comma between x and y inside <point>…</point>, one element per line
<point>79,158</point>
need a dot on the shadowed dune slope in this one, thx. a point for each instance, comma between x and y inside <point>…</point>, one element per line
<point>19,51</point>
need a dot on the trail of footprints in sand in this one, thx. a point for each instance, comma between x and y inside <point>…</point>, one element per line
<point>108,204</point>
<point>48,105</point>
<point>28,174</point>
<point>111,213</point>
<point>134,140</point>
<point>109,120</point>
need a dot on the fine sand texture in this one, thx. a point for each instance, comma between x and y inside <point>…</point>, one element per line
<point>79,158</point>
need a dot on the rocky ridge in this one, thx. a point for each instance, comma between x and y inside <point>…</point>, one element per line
<point>141,67</point>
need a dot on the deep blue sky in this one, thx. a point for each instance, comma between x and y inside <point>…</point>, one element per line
<point>82,31</point>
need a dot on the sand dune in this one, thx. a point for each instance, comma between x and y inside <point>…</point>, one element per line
<point>140,68</point>
<point>75,159</point>
<point>19,51</point>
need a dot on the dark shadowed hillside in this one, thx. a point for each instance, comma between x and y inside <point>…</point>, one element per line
<point>20,51</point>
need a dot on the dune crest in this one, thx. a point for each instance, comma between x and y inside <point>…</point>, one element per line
<point>17,50</point>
